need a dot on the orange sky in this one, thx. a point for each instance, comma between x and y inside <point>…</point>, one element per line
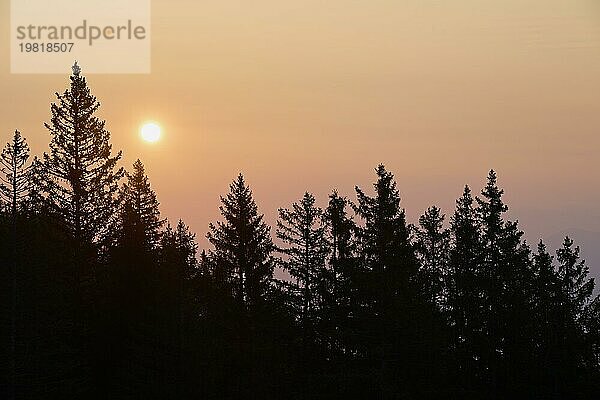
<point>311,95</point>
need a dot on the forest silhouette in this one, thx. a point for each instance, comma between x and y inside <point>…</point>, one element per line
<point>102,298</point>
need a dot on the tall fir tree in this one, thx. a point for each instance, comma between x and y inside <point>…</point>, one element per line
<point>180,246</point>
<point>384,238</point>
<point>507,282</point>
<point>242,246</point>
<point>340,228</point>
<point>139,201</point>
<point>465,291</point>
<point>82,174</point>
<point>432,246</point>
<point>14,186</point>
<point>343,273</point>
<point>562,297</point>
<point>400,326</point>
<point>178,288</point>
<point>14,180</point>
<point>79,185</point>
<point>573,273</point>
<point>37,203</point>
<point>576,290</point>
<point>302,232</point>
<point>242,268</point>
<point>139,297</point>
<point>490,210</point>
<point>548,317</point>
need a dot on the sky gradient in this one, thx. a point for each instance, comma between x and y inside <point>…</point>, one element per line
<point>312,96</point>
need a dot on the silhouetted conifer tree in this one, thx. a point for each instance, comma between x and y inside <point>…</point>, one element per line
<point>432,245</point>
<point>14,186</point>
<point>177,304</point>
<point>401,327</point>
<point>302,232</point>
<point>340,230</point>
<point>37,203</point>
<point>243,246</point>
<point>466,292</point>
<point>385,243</point>
<point>547,313</point>
<point>180,245</point>
<point>575,296</point>
<point>243,265</point>
<point>82,175</point>
<point>342,275</point>
<point>507,279</point>
<point>140,306</point>
<point>80,186</point>
<point>573,274</point>
<point>140,200</point>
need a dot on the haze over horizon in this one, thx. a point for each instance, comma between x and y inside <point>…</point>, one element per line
<point>320,94</point>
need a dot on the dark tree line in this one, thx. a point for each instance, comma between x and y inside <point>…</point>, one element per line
<point>102,298</point>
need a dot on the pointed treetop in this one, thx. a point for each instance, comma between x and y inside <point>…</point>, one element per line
<point>76,69</point>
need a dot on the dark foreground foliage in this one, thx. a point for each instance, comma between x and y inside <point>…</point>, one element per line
<point>103,299</point>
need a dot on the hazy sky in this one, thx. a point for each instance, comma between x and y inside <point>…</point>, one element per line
<point>311,95</point>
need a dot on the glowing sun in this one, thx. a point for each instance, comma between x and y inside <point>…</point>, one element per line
<point>150,132</point>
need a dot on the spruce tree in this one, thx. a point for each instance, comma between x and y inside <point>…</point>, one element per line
<point>37,197</point>
<point>139,298</point>
<point>242,268</point>
<point>576,289</point>
<point>179,266</point>
<point>385,236</point>
<point>491,209</point>
<point>397,323</point>
<point>507,282</point>
<point>14,180</point>
<point>302,232</point>
<point>432,245</point>
<point>545,274</point>
<point>187,248</point>
<point>572,357</point>
<point>465,290</point>
<point>82,174</point>
<point>343,274</point>
<point>242,246</point>
<point>547,312</point>
<point>14,186</point>
<point>573,273</point>
<point>79,184</point>
<point>138,200</point>
<point>339,234</point>
<point>490,213</point>
<point>178,288</point>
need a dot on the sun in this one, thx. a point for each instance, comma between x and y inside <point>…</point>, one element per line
<point>150,132</point>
